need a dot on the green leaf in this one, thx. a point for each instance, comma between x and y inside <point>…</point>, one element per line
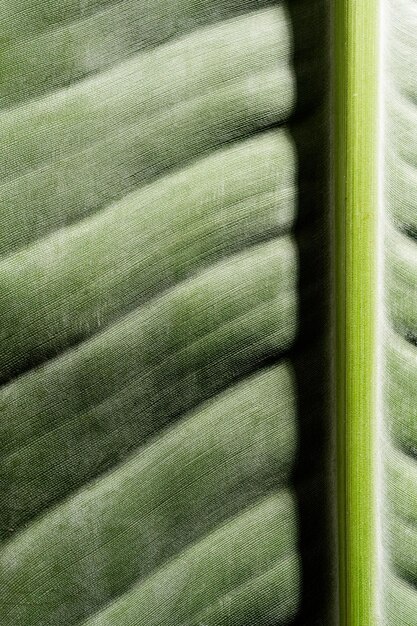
<point>208,321</point>
<point>399,593</point>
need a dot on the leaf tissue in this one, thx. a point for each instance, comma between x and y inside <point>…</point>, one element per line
<point>208,313</point>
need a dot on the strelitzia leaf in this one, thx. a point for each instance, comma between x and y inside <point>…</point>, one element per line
<point>208,327</point>
<point>139,376</point>
<point>398,436</point>
<point>164,272</point>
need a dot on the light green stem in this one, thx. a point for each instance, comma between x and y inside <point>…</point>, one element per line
<point>356,216</point>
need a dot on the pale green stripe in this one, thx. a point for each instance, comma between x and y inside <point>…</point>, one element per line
<point>97,543</point>
<point>355,155</point>
<point>243,549</point>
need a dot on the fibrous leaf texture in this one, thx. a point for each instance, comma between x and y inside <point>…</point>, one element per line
<point>399,436</point>
<point>164,314</point>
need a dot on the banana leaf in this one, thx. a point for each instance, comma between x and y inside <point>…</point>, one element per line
<point>208,327</point>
